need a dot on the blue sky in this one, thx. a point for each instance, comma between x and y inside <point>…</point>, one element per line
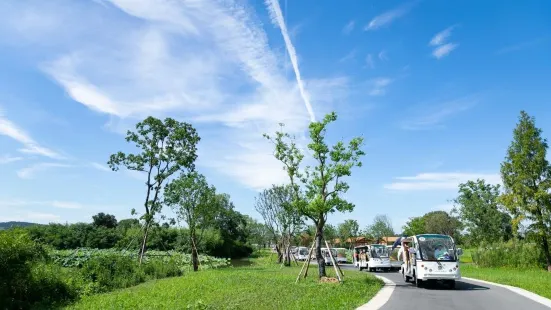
<point>435,87</point>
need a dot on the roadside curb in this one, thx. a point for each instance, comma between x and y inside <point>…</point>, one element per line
<point>532,296</point>
<point>381,298</point>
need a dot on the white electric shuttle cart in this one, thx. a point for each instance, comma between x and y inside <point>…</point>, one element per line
<point>430,257</point>
<point>372,257</point>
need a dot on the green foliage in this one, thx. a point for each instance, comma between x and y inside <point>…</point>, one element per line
<point>79,257</point>
<point>511,254</point>
<point>415,226</point>
<point>195,203</point>
<point>27,278</point>
<point>480,212</point>
<point>322,184</point>
<point>348,229</point>
<point>256,287</point>
<point>381,227</point>
<point>330,232</point>
<point>104,220</point>
<point>441,222</point>
<point>526,175</point>
<point>165,147</point>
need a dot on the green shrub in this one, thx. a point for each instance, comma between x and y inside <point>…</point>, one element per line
<point>112,271</point>
<point>516,254</point>
<point>27,276</point>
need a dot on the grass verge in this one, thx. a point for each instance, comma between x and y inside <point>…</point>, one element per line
<point>534,280</point>
<point>254,287</point>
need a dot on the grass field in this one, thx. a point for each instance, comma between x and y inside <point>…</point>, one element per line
<point>534,280</point>
<point>260,286</point>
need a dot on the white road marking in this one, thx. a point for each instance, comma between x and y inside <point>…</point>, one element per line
<point>382,296</point>
<point>532,296</point>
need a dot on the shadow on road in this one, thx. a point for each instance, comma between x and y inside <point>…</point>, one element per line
<point>459,286</point>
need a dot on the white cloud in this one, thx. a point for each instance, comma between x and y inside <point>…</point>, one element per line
<point>6,159</point>
<point>45,203</point>
<point>369,61</point>
<point>439,181</point>
<point>349,27</point>
<point>100,167</point>
<point>378,86</point>
<point>206,61</point>
<point>444,50</point>
<point>32,217</point>
<point>382,55</point>
<point>425,116</point>
<point>30,146</point>
<point>29,172</point>
<point>349,56</point>
<point>439,40</point>
<point>277,18</point>
<point>23,204</point>
<point>441,37</point>
<point>388,17</point>
<point>522,45</point>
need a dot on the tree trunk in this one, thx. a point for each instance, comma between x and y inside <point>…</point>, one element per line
<point>144,242</point>
<point>545,245</point>
<point>194,254</point>
<point>319,257</point>
<point>287,247</point>
<point>279,254</point>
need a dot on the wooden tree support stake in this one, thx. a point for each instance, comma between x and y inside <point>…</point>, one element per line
<point>335,266</point>
<point>307,262</point>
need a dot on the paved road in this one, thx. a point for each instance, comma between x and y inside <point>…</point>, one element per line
<point>466,296</point>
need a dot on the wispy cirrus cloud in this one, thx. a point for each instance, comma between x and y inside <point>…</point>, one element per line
<point>442,48</point>
<point>369,62</point>
<point>377,87</point>
<point>439,181</point>
<point>522,45</point>
<point>388,17</point>
<point>350,56</point>
<point>44,203</point>
<point>347,29</point>
<point>429,116</point>
<point>100,167</point>
<point>6,159</point>
<point>30,146</point>
<point>277,19</point>
<point>29,172</point>
<point>383,55</point>
<point>208,62</point>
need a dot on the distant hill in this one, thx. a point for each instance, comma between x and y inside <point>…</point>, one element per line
<point>6,225</point>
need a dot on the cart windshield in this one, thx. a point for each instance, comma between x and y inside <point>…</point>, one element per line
<point>379,251</point>
<point>437,248</point>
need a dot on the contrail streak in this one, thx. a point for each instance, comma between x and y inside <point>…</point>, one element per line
<point>277,16</point>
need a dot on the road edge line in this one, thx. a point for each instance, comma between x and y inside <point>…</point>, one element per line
<point>382,297</point>
<point>532,296</point>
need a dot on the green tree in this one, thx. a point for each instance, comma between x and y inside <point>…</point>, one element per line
<point>348,229</point>
<point>165,147</point>
<point>104,220</point>
<point>526,175</point>
<point>415,226</point>
<point>381,227</point>
<point>284,221</point>
<point>440,222</point>
<point>323,184</point>
<point>330,233</point>
<point>194,202</point>
<point>259,233</point>
<point>480,212</point>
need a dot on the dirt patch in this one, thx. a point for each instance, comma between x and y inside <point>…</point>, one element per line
<point>329,280</point>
